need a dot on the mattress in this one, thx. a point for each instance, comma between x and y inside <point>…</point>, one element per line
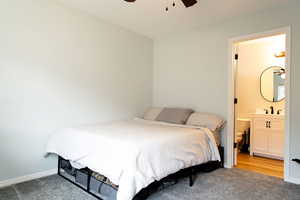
<point>132,154</point>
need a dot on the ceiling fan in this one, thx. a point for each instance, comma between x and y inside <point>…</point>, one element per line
<point>187,3</point>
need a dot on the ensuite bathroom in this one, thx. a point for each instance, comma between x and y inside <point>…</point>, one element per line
<point>260,91</point>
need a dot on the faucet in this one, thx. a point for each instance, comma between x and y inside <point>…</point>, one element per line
<point>279,111</point>
<point>272,110</point>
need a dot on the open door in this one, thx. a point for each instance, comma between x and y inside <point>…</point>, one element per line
<point>277,54</point>
<point>235,150</point>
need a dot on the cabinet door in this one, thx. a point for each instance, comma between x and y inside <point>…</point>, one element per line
<point>260,141</point>
<point>276,143</point>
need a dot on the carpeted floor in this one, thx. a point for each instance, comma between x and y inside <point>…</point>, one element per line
<point>222,184</point>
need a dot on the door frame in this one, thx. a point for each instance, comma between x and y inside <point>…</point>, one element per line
<point>230,117</point>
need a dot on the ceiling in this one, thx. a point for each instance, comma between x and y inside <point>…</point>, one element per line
<point>148,17</point>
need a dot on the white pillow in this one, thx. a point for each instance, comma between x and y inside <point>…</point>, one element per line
<point>207,120</point>
<point>152,113</point>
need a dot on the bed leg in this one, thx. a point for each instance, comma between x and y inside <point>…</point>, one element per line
<point>191,180</point>
<point>221,151</point>
<point>89,180</point>
<point>58,165</point>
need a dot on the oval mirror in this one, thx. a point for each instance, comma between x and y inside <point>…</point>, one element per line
<point>272,84</point>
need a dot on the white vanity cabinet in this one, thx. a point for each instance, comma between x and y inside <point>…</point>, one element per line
<point>267,135</point>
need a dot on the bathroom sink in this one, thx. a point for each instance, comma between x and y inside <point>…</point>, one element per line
<point>281,114</point>
<point>262,112</point>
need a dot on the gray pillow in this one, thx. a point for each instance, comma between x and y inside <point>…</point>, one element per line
<point>174,115</point>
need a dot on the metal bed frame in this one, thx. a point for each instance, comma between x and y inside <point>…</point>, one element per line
<point>146,192</point>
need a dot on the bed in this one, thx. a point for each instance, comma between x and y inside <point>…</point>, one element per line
<point>131,156</point>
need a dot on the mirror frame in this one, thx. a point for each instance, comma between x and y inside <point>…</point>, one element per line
<point>260,88</point>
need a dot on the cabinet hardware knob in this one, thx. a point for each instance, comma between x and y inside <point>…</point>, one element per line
<point>268,124</point>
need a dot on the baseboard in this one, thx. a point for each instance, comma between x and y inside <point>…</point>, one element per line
<point>293,180</point>
<point>228,166</point>
<point>29,177</point>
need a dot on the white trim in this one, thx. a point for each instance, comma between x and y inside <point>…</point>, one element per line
<point>227,166</point>
<point>287,157</point>
<point>293,180</point>
<point>29,177</point>
<point>230,123</point>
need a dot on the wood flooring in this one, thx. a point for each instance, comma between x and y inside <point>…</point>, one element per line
<point>261,165</point>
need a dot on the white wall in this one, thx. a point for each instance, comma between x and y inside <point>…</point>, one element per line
<point>191,69</point>
<point>60,67</point>
<point>255,56</point>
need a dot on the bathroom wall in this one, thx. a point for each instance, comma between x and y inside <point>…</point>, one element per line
<point>254,57</point>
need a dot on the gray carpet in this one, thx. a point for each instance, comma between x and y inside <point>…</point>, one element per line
<point>222,184</point>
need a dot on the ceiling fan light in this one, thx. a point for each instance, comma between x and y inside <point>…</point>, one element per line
<point>189,3</point>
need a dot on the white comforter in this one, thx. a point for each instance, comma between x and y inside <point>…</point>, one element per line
<point>133,154</point>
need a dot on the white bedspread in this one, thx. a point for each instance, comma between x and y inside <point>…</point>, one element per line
<point>133,154</point>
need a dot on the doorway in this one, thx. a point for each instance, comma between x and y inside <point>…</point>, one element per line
<point>258,125</point>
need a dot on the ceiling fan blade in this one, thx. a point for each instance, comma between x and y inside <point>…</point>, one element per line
<point>189,3</point>
<point>130,0</point>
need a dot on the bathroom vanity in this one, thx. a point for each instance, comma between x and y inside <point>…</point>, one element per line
<point>267,126</point>
<point>267,135</point>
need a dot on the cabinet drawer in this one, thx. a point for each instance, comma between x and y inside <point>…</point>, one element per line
<point>277,125</point>
<point>268,124</point>
<point>260,124</point>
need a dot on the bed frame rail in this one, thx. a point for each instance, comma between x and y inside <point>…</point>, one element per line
<point>144,193</point>
<point>87,189</point>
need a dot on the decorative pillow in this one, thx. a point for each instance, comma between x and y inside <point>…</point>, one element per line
<point>208,120</point>
<point>174,115</point>
<point>152,113</point>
